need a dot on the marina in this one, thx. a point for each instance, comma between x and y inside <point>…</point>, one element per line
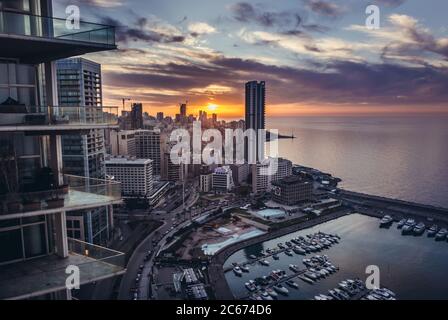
<point>361,244</point>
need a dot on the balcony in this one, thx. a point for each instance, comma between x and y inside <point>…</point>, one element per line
<point>41,120</point>
<point>44,275</point>
<point>77,193</point>
<point>37,39</point>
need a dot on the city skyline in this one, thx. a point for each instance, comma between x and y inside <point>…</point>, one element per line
<point>316,56</point>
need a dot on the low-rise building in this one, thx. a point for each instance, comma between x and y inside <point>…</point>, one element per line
<point>292,190</point>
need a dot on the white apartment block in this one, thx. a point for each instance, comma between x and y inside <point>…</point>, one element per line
<point>263,175</point>
<point>123,143</point>
<point>134,174</point>
<point>205,182</point>
<point>222,179</point>
<point>147,144</point>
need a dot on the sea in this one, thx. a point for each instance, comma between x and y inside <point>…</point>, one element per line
<point>402,157</point>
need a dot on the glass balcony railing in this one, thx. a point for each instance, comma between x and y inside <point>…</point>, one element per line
<point>76,193</point>
<point>37,276</point>
<point>96,252</point>
<point>56,115</point>
<point>23,24</point>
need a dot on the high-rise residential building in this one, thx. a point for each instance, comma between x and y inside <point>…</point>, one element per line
<point>79,84</point>
<point>160,116</point>
<point>260,177</point>
<point>240,173</point>
<point>122,143</point>
<point>268,171</point>
<point>183,110</point>
<point>147,146</point>
<point>136,116</point>
<point>222,180</point>
<point>205,182</point>
<point>135,175</point>
<point>255,111</point>
<point>35,193</point>
<point>284,169</point>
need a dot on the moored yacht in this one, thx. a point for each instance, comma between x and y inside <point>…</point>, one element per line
<point>419,229</point>
<point>281,289</point>
<point>432,231</point>
<point>401,223</point>
<point>292,284</point>
<point>386,221</point>
<point>441,235</point>
<point>408,226</point>
<point>237,271</point>
<point>264,262</point>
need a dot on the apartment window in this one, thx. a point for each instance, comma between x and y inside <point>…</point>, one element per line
<point>11,245</point>
<point>34,240</point>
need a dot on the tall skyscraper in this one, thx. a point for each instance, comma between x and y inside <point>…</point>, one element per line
<point>35,193</point>
<point>255,110</point>
<point>79,85</point>
<point>137,116</point>
<point>255,105</point>
<point>183,110</point>
<point>160,116</point>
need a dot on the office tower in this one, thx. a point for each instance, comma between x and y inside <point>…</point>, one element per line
<point>183,110</point>
<point>260,178</point>
<point>147,146</point>
<point>35,194</point>
<point>79,84</point>
<point>136,116</point>
<point>123,143</point>
<point>255,111</point>
<point>135,175</point>
<point>160,116</point>
<point>292,190</point>
<point>214,118</point>
<point>222,180</point>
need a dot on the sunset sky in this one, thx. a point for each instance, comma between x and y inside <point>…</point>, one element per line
<point>316,56</point>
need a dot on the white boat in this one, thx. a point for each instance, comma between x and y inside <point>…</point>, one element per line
<point>244,268</point>
<point>306,279</point>
<point>281,289</point>
<point>441,235</point>
<point>386,221</point>
<point>288,253</point>
<point>264,262</point>
<point>272,292</point>
<point>265,296</point>
<point>237,270</point>
<point>252,256</point>
<point>292,284</point>
<point>294,268</point>
<point>419,229</point>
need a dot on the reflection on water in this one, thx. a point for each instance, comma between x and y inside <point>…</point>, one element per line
<point>413,267</point>
<point>386,156</point>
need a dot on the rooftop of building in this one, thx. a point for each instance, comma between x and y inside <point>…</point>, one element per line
<point>127,160</point>
<point>290,180</point>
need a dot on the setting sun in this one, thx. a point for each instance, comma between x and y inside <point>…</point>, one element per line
<point>212,107</point>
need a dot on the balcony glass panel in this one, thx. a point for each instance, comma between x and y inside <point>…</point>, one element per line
<point>24,24</point>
